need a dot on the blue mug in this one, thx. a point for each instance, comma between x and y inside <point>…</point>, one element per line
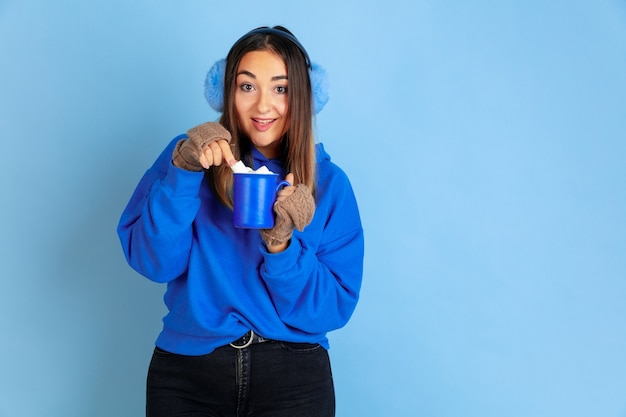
<point>253,199</point>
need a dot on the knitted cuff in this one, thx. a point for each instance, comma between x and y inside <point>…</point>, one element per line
<point>185,156</point>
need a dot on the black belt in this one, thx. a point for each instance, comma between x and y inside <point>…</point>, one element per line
<point>248,339</point>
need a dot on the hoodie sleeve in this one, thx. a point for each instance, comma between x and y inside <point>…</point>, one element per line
<point>315,282</point>
<point>155,229</point>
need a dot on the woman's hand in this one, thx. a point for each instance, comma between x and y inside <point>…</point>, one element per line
<point>206,145</point>
<point>285,192</point>
<point>294,208</point>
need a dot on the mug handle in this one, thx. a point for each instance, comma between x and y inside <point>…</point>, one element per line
<point>282,184</point>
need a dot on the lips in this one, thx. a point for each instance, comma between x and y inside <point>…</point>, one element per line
<point>262,124</point>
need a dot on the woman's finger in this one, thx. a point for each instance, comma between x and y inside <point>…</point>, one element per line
<point>204,161</point>
<point>227,153</point>
<point>215,155</point>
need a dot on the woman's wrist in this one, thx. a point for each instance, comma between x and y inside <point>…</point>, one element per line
<point>277,248</point>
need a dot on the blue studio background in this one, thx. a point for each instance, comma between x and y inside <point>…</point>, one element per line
<point>486,142</point>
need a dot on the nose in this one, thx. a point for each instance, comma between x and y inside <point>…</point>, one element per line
<point>264,102</point>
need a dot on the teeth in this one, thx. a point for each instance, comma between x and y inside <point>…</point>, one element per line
<point>263,122</point>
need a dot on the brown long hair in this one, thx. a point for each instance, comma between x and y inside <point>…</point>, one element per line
<point>297,146</point>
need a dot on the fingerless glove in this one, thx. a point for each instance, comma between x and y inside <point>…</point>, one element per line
<point>296,211</point>
<point>188,151</point>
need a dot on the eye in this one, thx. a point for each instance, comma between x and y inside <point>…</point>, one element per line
<point>246,87</point>
<point>281,89</point>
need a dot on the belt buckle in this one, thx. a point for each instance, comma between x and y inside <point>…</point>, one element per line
<point>245,345</point>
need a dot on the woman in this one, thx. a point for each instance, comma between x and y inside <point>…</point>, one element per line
<point>249,309</point>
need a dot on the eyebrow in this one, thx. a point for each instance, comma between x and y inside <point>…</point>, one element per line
<point>251,75</point>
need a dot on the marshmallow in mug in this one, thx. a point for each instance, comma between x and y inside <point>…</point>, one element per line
<point>240,168</point>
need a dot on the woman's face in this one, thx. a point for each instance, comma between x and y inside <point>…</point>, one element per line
<point>261,100</point>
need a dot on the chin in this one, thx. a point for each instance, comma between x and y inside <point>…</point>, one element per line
<point>264,140</point>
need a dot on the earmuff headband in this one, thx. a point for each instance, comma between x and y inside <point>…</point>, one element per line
<point>279,33</point>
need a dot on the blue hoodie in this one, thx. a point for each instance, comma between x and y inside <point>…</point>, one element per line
<point>222,281</point>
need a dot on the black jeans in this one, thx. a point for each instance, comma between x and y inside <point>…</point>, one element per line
<point>271,379</point>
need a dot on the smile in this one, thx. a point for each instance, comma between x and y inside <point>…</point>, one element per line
<point>262,124</point>
<point>263,121</point>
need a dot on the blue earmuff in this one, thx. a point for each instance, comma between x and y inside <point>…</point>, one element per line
<point>214,82</point>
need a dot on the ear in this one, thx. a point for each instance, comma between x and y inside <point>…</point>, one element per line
<point>319,87</point>
<point>214,85</point>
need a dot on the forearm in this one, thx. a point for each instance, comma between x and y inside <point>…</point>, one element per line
<point>155,230</point>
<point>316,292</point>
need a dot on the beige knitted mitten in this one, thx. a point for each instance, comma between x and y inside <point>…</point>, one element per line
<point>296,211</point>
<point>188,151</point>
